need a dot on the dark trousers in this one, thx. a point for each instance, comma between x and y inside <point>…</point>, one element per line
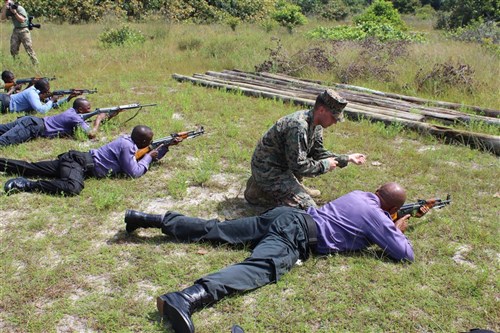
<point>69,171</point>
<point>21,130</point>
<point>4,103</point>
<point>279,237</point>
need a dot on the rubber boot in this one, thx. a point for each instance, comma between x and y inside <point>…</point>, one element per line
<point>180,305</point>
<point>136,220</point>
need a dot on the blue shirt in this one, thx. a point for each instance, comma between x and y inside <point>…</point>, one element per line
<point>118,156</point>
<point>28,100</point>
<point>356,221</point>
<point>64,124</point>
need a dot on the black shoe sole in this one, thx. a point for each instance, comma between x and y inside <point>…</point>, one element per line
<point>180,322</point>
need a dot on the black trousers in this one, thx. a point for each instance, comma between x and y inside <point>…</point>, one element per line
<point>279,237</point>
<point>21,130</point>
<point>68,171</point>
<point>4,103</point>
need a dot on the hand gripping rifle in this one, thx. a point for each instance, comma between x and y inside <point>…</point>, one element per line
<point>169,140</point>
<point>114,110</point>
<point>414,208</point>
<point>29,80</point>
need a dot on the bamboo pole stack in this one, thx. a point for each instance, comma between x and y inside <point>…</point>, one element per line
<point>411,112</point>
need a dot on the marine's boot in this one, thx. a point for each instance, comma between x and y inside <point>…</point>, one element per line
<point>19,184</point>
<point>180,305</point>
<point>136,220</point>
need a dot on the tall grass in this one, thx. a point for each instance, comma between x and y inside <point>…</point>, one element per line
<point>67,264</point>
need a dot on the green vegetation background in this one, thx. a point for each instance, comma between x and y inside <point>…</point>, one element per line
<point>68,266</point>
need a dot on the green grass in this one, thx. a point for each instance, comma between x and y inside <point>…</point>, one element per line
<point>67,264</point>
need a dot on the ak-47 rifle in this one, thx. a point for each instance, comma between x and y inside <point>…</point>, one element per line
<point>413,208</point>
<point>27,80</point>
<point>71,91</point>
<point>111,111</point>
<point>169,140</point>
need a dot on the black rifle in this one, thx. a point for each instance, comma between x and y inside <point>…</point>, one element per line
<point>72,91</point>
<point>32,25</point>
<point>413,208</point>
<point>167,141</point>
<point>111,111</point>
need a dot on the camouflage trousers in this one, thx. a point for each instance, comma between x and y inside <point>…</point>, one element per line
<point>284,190</point>
<point>22,36</point>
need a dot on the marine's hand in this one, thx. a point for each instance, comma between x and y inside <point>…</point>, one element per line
<point>402,223</point>
<point>176,141</point>
<point>357,158</point>
<point>333,163</point>
<point>101,116</point>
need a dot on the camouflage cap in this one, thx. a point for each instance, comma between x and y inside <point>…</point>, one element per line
<point>333,100</point>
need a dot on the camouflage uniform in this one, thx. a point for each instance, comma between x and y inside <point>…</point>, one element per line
<point>290,150</point>
<point>21,34</point>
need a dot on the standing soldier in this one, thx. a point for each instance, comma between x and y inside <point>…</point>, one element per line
<point>293,149</point>
<point>21,33</point>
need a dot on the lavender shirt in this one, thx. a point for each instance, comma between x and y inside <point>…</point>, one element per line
<point>356,221</point>
<point>118,156</point>
<point>64,124</point>
<point>28,100</point>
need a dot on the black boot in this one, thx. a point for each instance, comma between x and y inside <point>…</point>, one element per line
<point>179,306</point>
<point>136,220</point>
<point>16,185</point>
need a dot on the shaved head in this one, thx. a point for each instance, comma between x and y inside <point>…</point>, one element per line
<point>142,136</point>
<point>392,196</point>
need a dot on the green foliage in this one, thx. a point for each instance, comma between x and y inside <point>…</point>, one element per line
<point>192,43</point>
<point>464,12</point>
<point>487,34</point>
<point>334,10</point>
<point>381,31</point>
<point>406,6</point>
<point>381,12</point>
<point>425,12</point>
<point>288,15</point>
<point>232,22</point>
<point>121,36</point>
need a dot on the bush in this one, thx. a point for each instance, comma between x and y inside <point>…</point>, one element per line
<point>334,10</point>
<point>406,6</point>
<point>444,77</point>
<point>288,15</point>
<point>121,36</point>
<point>464,12</point>
<point>425,13</point>
<point>381,12</point>
<point>380,31</point>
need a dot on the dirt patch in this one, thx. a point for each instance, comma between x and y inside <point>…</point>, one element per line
<point>72,324</point>
<point>459,256</point>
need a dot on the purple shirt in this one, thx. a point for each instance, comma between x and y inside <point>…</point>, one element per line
<point>118,156</point>
<point>64,124</point>
<point>356,221</point>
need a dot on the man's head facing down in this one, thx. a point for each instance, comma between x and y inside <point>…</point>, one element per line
<point>8,76</point>
<point>142,136</point>
<point>328,108</point>
<point>81,105</point>
<point>43,86</point>
<point>392,196</point>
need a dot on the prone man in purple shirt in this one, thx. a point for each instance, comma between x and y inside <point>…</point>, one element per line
<point>279,237</point>
<point>60,125</point>
<point>70,169</point>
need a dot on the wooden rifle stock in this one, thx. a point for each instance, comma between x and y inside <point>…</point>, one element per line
<point>169,140</point>
<point>9,85</point>
<point>413,208</point>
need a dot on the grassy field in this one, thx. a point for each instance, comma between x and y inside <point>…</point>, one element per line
<point>67,264</point>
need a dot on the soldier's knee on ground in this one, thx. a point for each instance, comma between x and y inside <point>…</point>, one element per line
<point>255,195</point>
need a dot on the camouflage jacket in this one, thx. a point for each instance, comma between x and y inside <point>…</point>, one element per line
<point>294,144</point>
